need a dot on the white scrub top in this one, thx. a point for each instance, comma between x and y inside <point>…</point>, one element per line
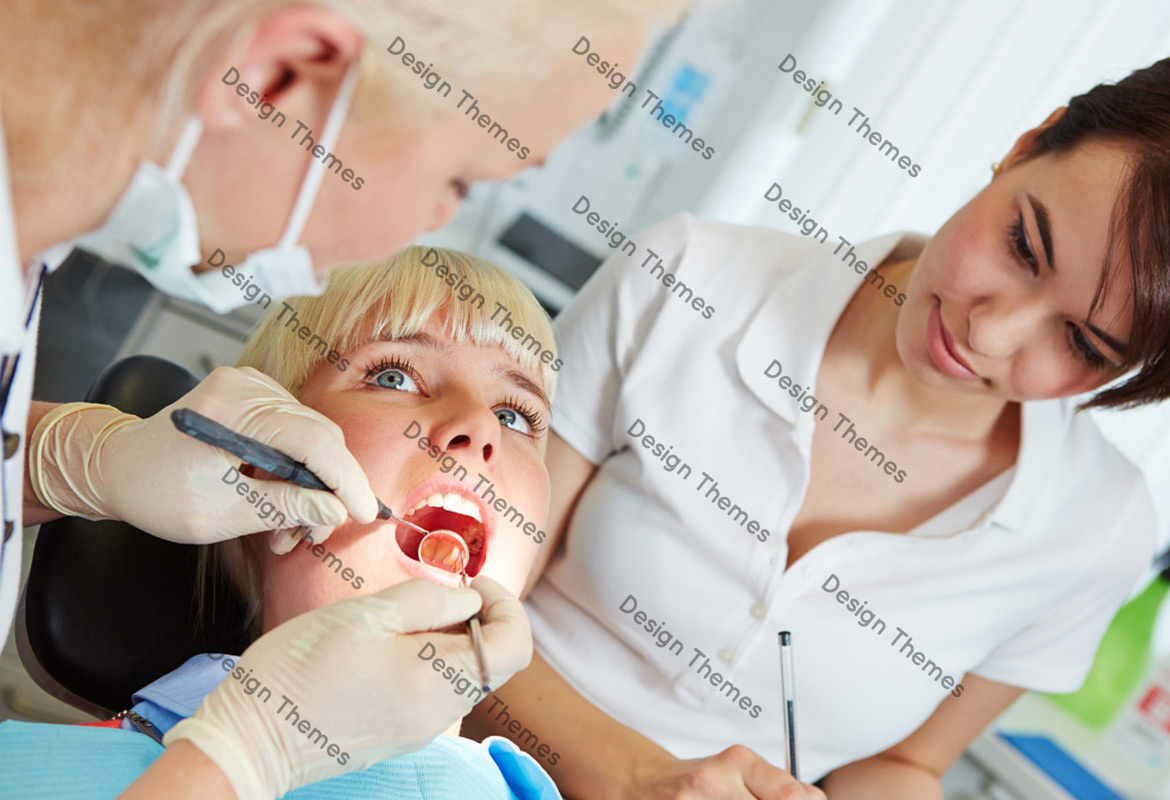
<point>664,607</point>
<point>19,315</point>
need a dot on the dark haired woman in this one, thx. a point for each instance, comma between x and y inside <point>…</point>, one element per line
<point>892,470</point>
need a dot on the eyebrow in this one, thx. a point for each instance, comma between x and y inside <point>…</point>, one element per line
<point>1044,225</point>
<point>1041,213</point>
<point>521,381</point>
<point>1119,346</point>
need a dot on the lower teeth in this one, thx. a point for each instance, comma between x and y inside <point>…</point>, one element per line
<point>443,549</point>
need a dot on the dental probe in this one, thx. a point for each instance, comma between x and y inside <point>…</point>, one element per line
<point>476,636</point>
<point>287,468</point>
<point>260,455</point>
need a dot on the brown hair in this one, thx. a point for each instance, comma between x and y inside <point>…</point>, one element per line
<point>1134,112</point>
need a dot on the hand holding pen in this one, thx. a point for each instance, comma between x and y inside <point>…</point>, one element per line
<point>738,771</point>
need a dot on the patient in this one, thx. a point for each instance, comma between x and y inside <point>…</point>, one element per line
<point>445,406</point>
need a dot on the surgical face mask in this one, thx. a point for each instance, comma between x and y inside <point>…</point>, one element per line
<point>154,230</point>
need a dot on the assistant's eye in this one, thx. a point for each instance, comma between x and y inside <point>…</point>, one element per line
<point>518,416</point>
<point>1085,350</point>
<point>397,374</point>
<point>462,188</point>
<point>1019,246</point>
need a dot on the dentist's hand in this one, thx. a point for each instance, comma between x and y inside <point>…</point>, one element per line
<point>737,773</point>
<point>96,462</point>
<point>364,679</point>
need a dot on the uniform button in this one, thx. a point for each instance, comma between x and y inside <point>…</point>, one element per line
<point>9,526</point>
<point>807,571</point>
<point>11,442</point>
<point>726,655</point>
<point>758,610</point>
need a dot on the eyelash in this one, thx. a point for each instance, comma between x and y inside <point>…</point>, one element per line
<point>373,370</point>
<point>1018,244</point>
<point>1022,251</point>
<point>534,418</point>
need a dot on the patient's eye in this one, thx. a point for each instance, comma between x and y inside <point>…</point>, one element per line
<point>509,418</point>
<point>396,374</point>
<point>517,415</point>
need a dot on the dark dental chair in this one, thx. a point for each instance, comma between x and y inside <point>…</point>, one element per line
<point>107,608</point>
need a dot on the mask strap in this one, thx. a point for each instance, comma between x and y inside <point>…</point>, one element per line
<point>184,148</point>
<point>316,171</point>
<point>312,180</point>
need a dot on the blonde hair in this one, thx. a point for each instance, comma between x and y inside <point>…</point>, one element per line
<point>395,298</point>
<point>490,49</point>
<point>479,303</point>
<point>139,63</point>
<point>487,48</point>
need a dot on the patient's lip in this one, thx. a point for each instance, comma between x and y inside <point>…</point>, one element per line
<point>442,491</point>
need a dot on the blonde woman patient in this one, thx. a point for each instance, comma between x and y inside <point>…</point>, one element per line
<point>437,403</point>
<point>149,75</point>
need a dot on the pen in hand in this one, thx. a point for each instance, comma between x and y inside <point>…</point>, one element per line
<point>788,688</point>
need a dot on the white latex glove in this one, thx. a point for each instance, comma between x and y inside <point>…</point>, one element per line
<point>354,671</point>
<point>93,461</point>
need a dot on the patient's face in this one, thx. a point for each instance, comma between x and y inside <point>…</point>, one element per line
<point>451,436</point>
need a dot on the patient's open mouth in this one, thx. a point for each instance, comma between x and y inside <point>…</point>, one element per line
<point>450,512</point>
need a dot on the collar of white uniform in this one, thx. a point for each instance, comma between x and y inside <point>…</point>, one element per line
<point>12,299</point>
<point>792,326</point>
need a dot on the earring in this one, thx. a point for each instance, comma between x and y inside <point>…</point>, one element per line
<point>996,168</point>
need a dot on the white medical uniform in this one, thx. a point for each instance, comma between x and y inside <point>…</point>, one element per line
<point>1015,583</point>
<point>19,314</point>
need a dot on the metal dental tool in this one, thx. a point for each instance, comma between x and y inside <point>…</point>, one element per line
<point>260,455</point>
<point>476,636</point>
<point>287,468</point>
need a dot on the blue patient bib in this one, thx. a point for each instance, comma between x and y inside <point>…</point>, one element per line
<point>39,761</point>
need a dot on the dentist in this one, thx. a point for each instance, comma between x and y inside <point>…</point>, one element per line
<point>197,87</point>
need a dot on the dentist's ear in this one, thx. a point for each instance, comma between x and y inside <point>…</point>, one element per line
<point>294,58</point>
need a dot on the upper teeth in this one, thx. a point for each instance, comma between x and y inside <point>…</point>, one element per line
<point>451,501</point>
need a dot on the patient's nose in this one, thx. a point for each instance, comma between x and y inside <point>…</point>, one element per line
<point>464,441</point>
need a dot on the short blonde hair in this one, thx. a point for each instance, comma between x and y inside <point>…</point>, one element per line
<point>490,49</point>
<point>479,302</point>
<point>395,298</point>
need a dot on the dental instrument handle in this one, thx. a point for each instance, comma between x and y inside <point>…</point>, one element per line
<point>259,455</point>
<point>477,645</point>
<point>788,689</point>
<point>476,635</point>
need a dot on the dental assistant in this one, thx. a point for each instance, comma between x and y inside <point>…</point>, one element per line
<point>142,147</point>
<point>874,446</point>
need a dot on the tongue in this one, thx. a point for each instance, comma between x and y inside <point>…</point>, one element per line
<point>443,549</point>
